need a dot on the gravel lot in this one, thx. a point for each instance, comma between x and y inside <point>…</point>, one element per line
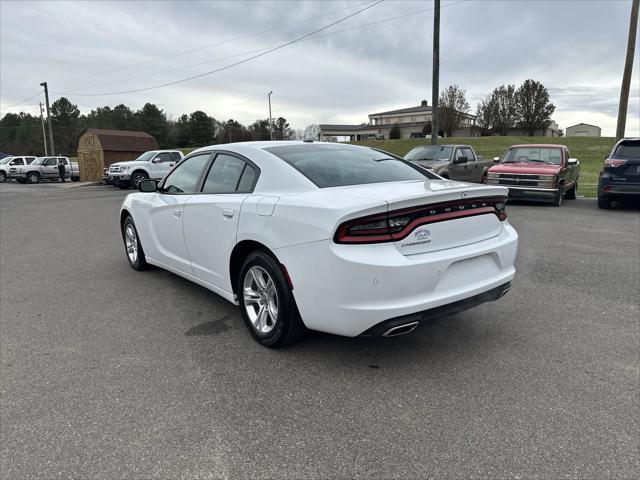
<point>110,373</point>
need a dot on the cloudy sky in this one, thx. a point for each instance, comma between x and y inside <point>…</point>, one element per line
<point>378,59</point>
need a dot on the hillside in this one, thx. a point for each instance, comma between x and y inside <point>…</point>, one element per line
<point>590,151</point>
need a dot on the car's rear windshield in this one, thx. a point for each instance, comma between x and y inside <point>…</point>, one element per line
<point>628,149</point>
<point>534,154</point>
<point>430,153</point>
<point>339,165</point>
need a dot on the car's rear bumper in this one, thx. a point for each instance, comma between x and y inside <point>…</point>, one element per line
<point>348,289</point>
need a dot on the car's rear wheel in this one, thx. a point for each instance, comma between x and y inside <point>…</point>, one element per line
<point>3,177</point>
<point>266,301</point>
<point>132,246</point>
<point>604,202</point>
<point>33,177</point>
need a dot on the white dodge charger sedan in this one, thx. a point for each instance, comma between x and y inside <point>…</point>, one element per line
<point>337,238</point>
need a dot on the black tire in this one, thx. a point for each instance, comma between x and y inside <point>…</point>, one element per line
<point>137,177</point>
<point>572,193</point>
<point>3,176</point>
<point>123,185</point>
<point>557,201</point>
<point>604,203</point>
<point>33,177</point>
<point>75,179</point>
<point>140,261</point>
<point>288,327</point>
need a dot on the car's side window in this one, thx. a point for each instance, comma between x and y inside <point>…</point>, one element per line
<point>469,154</point>
<point>184,178</point>
<point>163,157</point>
<point>17,161</point>
<point>62,161</point>
<point>247,180</point>
<point>226,175</point>
<point>459,153</point>
<point>29,160</point>
<point>51,162</point>
<point>174,157</point>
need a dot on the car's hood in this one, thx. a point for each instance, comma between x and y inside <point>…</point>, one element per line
<point>431,164</point>
<point>127,163</point>
<point>522,167</point>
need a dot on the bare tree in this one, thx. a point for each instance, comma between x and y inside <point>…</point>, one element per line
<point>534,107</point>
<point>312,132</point>
<point>452,107</point>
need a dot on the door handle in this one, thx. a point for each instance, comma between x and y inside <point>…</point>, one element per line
<point>227,212</point>
<point>177,213</point>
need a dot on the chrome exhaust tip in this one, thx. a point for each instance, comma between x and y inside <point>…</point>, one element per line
<point>401,329</point>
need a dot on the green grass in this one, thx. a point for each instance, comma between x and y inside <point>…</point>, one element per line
<point>590,151</point>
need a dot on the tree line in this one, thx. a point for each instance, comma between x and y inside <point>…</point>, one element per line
<point>21,133</point>
<point>527,107</point>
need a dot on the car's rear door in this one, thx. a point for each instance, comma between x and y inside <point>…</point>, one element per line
<point>210,220</point>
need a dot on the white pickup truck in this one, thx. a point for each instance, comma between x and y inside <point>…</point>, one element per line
<point>154,164</point>
<point>7,162</point>
<point>45,168</point>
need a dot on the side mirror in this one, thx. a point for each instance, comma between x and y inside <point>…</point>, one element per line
<point>496,159</point>
<point>460,160</point>
<point>573,161</point>
<point>148,185</point>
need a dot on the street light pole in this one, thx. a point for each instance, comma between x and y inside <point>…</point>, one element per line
<point>44,135</point>
<point>46,99</point>
<point>435,80</point>
<point>270,120</point>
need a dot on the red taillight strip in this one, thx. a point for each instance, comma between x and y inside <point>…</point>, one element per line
<point>376,236</point>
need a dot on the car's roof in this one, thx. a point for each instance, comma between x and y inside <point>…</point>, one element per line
<point>240,147</point>
<point>538,145</point>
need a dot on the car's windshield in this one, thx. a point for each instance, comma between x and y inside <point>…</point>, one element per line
<point>5,160</point>
<point>628,149</point>
<point>551,156</point>
<point>39,161</point>
<point>430,153</point>
<point>339,165</point>
<point>145,157</point>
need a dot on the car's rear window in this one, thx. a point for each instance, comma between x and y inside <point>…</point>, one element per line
<point>628,149</point>
<point>339,165</point>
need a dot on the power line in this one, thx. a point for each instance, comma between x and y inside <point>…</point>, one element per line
<point>22,101</point>
<point>217,44</point>
<point>279,47</point>
<point>265,50</point>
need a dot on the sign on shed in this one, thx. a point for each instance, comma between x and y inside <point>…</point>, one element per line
<point>98,148</point>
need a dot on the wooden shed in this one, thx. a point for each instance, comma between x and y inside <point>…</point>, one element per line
<point>98,148</point>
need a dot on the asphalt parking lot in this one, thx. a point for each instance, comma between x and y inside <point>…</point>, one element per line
<point>111,373</point>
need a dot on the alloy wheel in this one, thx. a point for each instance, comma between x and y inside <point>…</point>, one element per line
<point>131,243</point>
<point>260,299</point>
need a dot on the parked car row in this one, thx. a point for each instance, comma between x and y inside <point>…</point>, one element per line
<point>26,169</point>
<point>154,164</point>
<point>536,172</point>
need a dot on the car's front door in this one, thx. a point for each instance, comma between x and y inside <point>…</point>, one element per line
<point>210,219</point>
<point>50,168</point>
<point>164,214</point>
<point>457,171</point>
<point>161,164</point>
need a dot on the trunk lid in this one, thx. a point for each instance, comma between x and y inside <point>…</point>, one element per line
<point>438,214</point>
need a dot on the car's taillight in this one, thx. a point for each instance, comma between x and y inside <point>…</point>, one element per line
<point>397,224</point>
<point>614,162</point>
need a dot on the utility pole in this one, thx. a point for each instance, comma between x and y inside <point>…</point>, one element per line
<point>44,135</point>
<point>46,99</point>
<point>270,120</point>
<point>435,80</point>
<point>628,68</point>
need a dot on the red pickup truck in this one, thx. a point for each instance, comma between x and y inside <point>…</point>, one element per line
<point>537,172</point>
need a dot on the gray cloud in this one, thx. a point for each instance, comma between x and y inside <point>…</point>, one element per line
<point>576,48</point>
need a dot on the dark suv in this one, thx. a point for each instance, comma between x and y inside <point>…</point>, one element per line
<point>620,174</point>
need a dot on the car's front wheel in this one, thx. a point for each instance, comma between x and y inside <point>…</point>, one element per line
<point>137,177</point>
<point>3,177</point>
<point>572,194</point>
<point>132,246</point>
<point>268,307</point>
<point>557,201</point>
